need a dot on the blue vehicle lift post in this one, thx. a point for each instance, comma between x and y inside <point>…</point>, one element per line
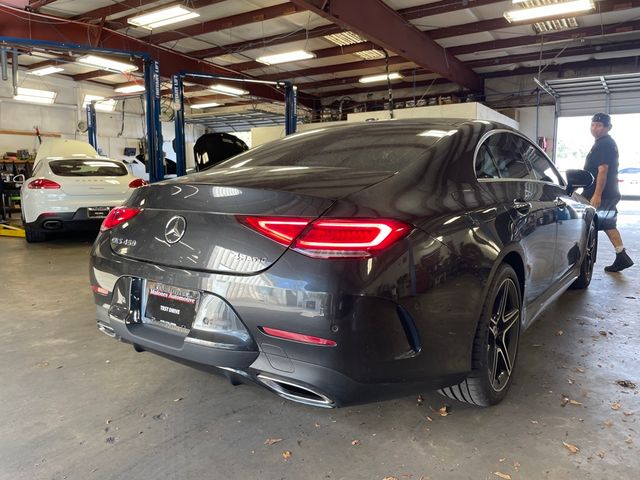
<point>152,89</point>
<point>177,86</point>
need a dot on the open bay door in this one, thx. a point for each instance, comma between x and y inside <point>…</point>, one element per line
<point>613,94</point>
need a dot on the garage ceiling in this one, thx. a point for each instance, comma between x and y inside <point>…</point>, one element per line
<point>454,44</point>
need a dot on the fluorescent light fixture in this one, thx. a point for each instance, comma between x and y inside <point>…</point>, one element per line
<point>45,71</point>
<point>106,63</point>
<point>101,104</point>
<point>206,105</point>
<point>286,57</point>
<point>227,90</point>
<point>130,89</point>
<point>551,10</point>
<point>380,78</point>
<point>344,38</point>
<point>162,17</point>
<point>35,96</point>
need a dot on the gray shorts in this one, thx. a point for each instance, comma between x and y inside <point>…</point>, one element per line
<point>608,214</point>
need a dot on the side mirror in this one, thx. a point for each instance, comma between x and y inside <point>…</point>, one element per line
<point>578,179</point>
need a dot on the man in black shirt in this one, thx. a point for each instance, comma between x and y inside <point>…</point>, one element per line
<point>602,162</point>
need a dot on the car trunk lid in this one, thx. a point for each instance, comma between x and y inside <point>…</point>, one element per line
<point>193,222</point>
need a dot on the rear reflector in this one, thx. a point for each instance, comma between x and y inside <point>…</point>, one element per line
<point>99,290</point>
<point>138,182</point>
<point>117,216</point>
<point>331,237</point>
<point>43,183</point>
<point>298,337</point>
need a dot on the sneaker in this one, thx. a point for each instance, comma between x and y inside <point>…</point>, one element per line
<point>621,262</point>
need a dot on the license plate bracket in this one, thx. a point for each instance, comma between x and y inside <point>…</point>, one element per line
<point>171,306</point>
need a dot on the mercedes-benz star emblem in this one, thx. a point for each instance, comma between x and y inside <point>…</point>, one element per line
<point>174,230</point>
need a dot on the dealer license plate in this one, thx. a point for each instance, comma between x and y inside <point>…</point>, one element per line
<point>98,212</point>
<point>171,306</point>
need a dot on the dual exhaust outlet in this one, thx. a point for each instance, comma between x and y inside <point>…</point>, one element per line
<point>284,388</point>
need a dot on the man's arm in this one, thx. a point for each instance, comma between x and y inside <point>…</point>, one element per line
<point>601,181</point>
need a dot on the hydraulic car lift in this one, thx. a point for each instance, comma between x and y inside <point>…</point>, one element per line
<point>177,87</point>
<point>152,94</point>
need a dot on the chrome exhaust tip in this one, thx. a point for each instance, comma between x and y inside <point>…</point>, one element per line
<point>295,392</point>
<point>106,329</point>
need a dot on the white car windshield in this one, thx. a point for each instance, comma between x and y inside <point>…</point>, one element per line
<point>87,168</point>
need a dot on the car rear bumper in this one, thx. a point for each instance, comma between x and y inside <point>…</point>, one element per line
<point>383,350</point>
<point>67,221</point>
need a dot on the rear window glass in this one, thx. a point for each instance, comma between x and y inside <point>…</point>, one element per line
<point>87,168</point>
<point>372,147</point>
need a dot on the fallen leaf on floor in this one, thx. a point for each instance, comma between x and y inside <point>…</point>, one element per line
<point>42,364</point>
<point>629,440</point>
<point>107,361</point>
<point>627,414</point>
<point>626,383</point>
<point>608,423</point>
<point>108,421</point>
<point>444,411</point>
<point>578,369</point>
<point>534,422</point>
<point>559,332</point>
<point>574,402</point>
<point>600,453</point>
<point>355,443</point>
<point>502,460</point>
<point>603,333</point>
<point>317,425</point>
<point>516,465</point>
<point>430,419</point>
<point>271,441</point>
<point>615,406</point>
<point>177,399</point>
<point>564,401</point>
<point>506,476</point>
<point>286,455</point>
<point>571,448</point>
<point>420,400</point>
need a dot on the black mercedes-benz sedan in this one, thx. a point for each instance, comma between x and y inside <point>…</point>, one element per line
<point>350,264</point>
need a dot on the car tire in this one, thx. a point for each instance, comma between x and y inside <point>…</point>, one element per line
<point>34,235</point>
<point>495,345</point>
<point>588,260</point>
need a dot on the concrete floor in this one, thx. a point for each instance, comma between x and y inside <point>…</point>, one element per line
<point>78,405</point>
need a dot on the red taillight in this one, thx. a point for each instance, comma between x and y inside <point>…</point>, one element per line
<point>298,337</point>
<point>117,216</point>
<point>40,183</point>
<point>332,237</point>
<point>280,229</point>
<point>138,182</point>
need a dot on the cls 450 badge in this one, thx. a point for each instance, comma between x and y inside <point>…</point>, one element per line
<point>124,241</point>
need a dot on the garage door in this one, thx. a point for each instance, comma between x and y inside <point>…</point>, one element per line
<point>614,94</point>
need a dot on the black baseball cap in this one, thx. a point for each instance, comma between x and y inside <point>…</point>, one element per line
<point>603,118</point>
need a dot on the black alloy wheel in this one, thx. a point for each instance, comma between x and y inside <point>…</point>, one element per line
<point>495,346</point>
<point>503,334</point>
<point>588,261</point>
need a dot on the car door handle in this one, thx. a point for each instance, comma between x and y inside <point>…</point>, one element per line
<point>521,206</point>
<point>560,203</point>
